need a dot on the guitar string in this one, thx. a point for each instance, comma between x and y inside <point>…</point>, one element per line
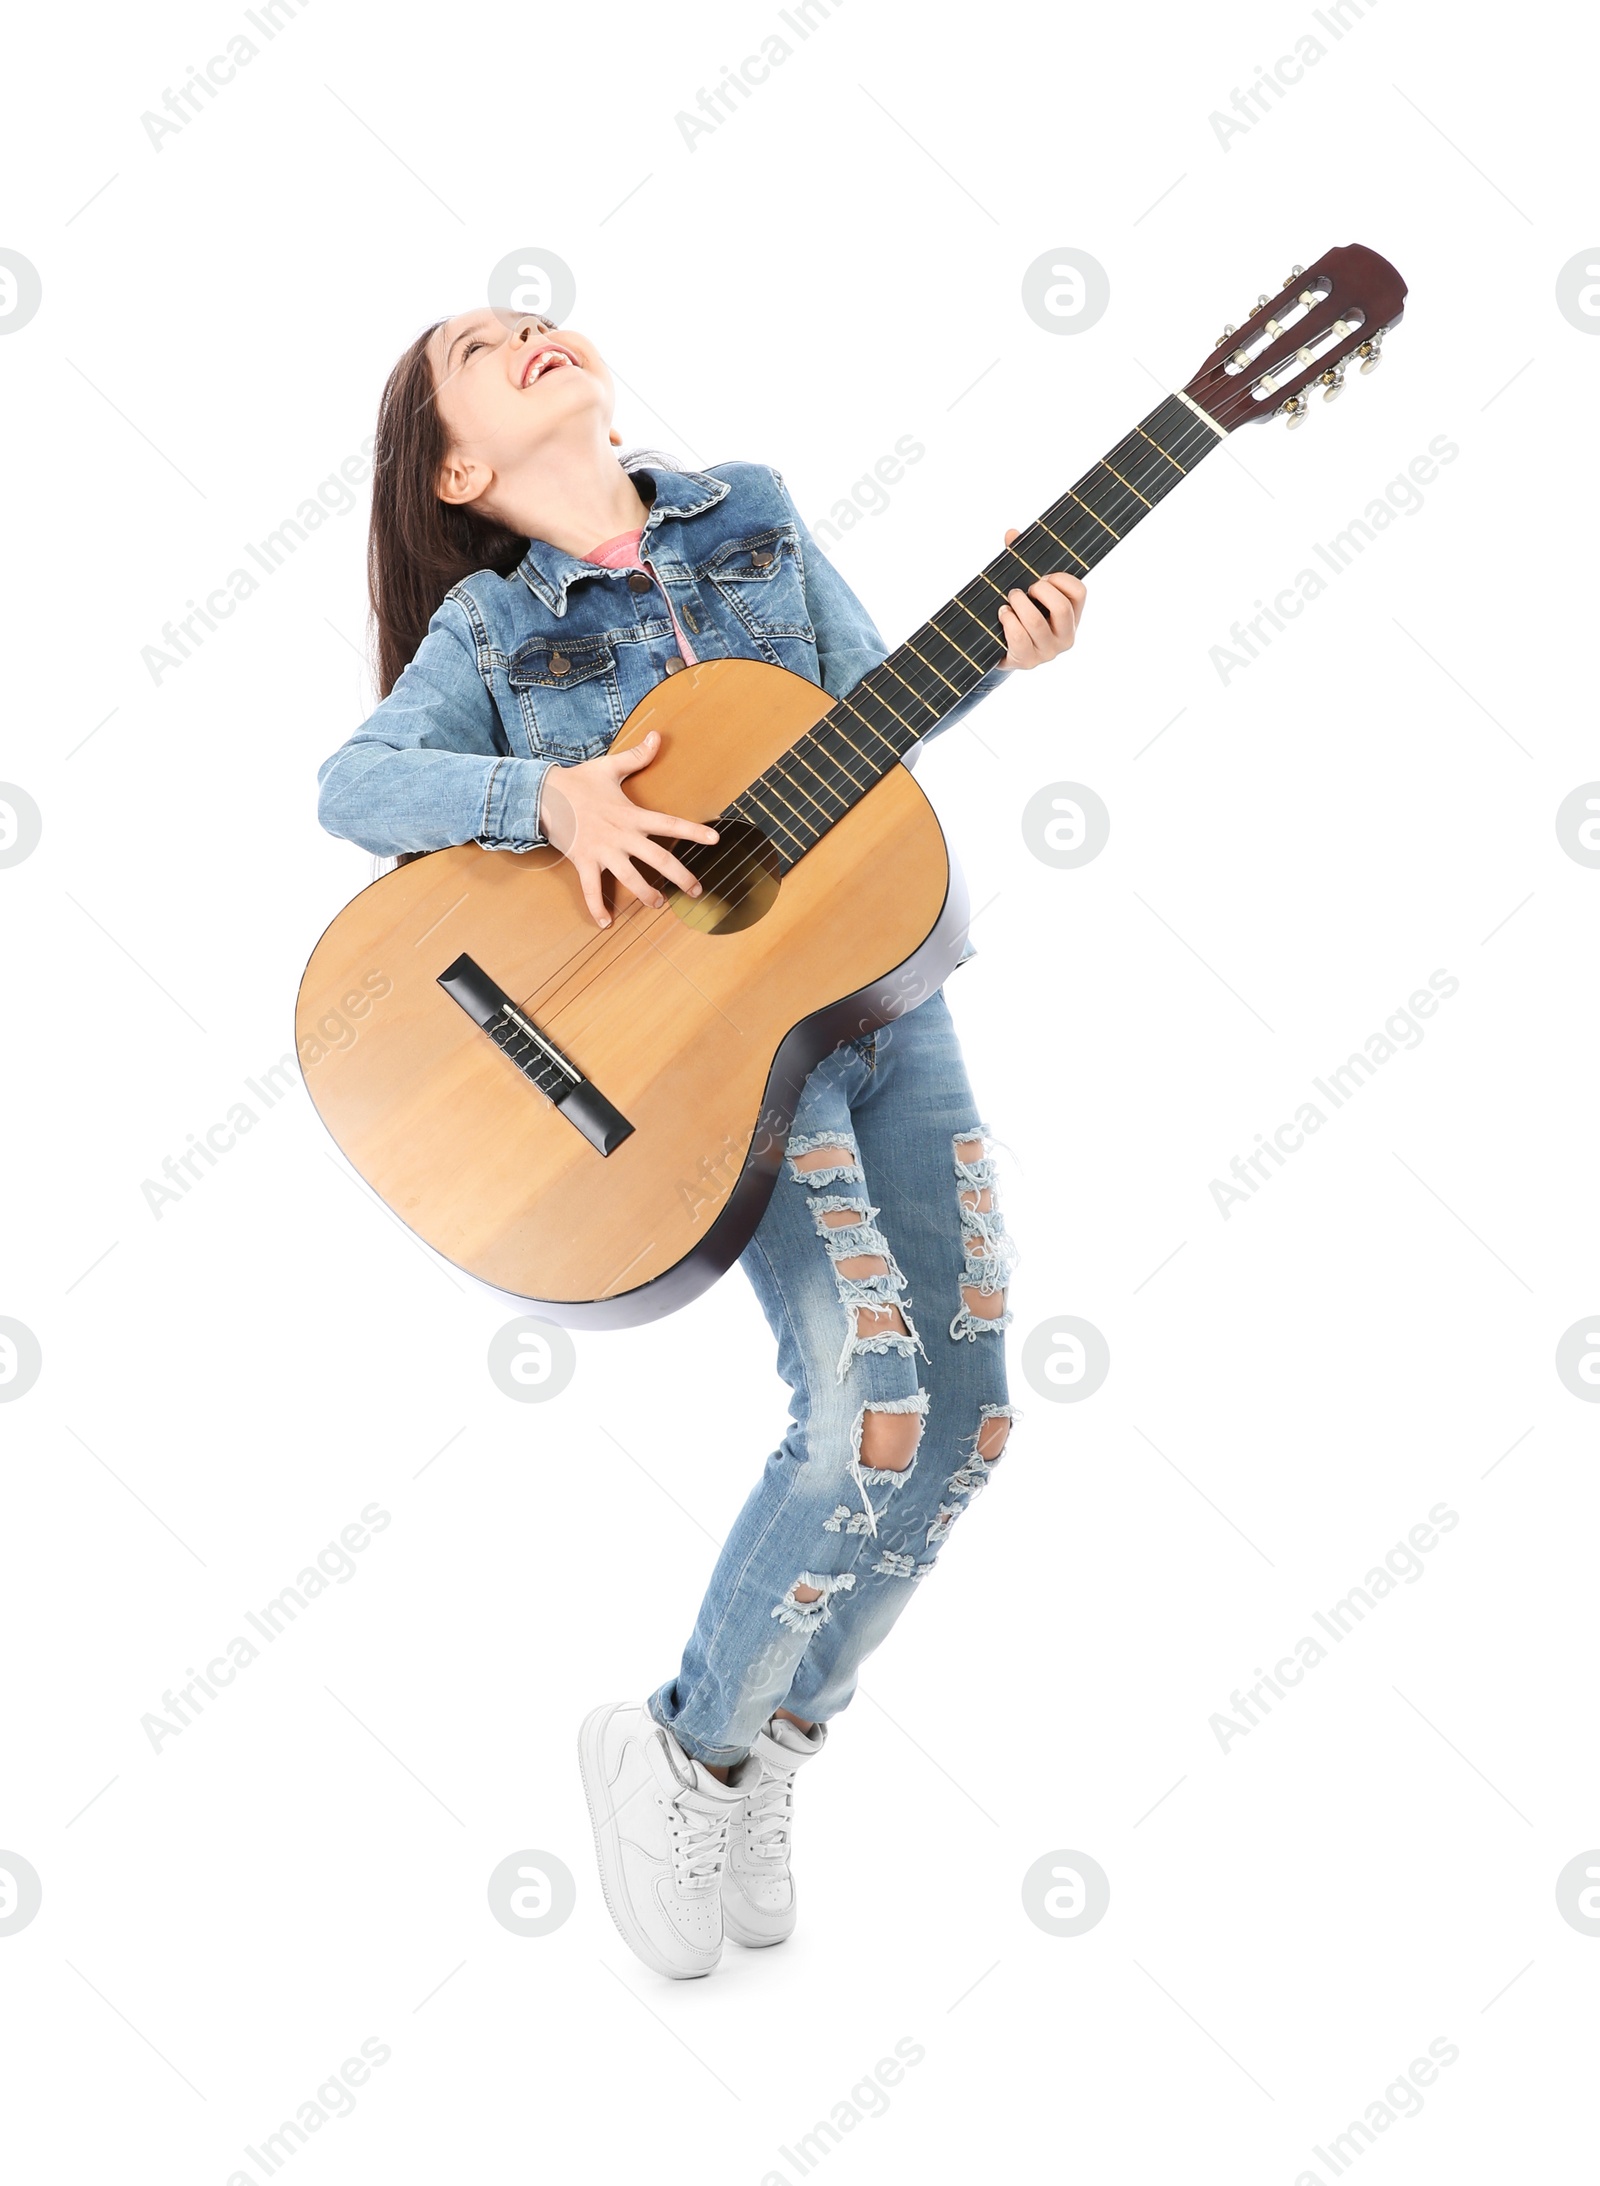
<point>1118,507</point>
<point>785,800</point>
<point>716,877</point>
<point>1239,403</point>
<point>1196,436</point>
<point>1124,502</point>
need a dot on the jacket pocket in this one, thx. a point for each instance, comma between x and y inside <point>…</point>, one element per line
<point>568,694</point>
<point>759,579</point>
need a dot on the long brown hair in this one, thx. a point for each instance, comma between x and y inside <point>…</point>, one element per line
<point>417,545</point>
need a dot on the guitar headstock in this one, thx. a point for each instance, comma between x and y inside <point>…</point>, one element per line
<point>1324,319</point>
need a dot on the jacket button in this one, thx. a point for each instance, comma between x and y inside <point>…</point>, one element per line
<point>639,582</point>
<point>674,663</point>
<point>559,664</point>
<point>760,558</point>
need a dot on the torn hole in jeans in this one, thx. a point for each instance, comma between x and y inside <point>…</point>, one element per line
<point>869,1280</point>
<point>811,1615</point>
<point>809,1162</point>
<point>972,1475</point>
<point>894,1563</point>
<point>988,1254</point>
<point>891,1477</point>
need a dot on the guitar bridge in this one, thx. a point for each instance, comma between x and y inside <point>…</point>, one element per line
<point>535,1055</point>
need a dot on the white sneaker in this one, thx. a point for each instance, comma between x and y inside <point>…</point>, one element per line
<point>758,1894</point>
<point>661,1835</point>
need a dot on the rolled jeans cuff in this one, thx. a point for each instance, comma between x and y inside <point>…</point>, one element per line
<point>511,805</point>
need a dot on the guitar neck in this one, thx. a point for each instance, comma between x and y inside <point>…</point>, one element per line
<point>877,722</point>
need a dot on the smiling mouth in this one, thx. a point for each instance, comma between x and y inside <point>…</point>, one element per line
<point>547,360</point>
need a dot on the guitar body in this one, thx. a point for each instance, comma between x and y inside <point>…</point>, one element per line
<point>700,1040</point>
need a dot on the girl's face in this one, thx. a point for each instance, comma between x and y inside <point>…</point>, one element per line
<point>508,394</point>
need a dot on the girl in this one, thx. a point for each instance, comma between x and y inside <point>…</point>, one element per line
<point>529,587</point>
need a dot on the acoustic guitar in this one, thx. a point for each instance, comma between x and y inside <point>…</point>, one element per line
<point>591,1120</point>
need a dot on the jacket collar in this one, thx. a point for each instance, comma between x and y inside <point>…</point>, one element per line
<point>547,571</point>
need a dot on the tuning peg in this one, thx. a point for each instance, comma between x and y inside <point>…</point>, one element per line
<point>1223,336</point>
<point>1292,275</point>
<point>1295,411</point>
<point>1333,384</point>
<point>1262,299</point>
<point>1371,353</point>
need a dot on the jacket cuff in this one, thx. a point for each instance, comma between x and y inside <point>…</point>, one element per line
<point>511,805</point>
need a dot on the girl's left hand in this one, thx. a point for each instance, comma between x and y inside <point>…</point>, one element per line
<point>1043,621</point>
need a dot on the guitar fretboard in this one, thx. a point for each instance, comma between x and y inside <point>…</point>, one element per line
<point>872,728</point>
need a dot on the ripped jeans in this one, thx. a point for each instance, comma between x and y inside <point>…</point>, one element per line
<point>881,1264</point>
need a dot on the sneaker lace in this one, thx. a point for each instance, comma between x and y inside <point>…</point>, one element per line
<point>699,1844</point>
<point>769,1816</point>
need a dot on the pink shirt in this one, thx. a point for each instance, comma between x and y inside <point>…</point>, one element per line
<point>622,552</point>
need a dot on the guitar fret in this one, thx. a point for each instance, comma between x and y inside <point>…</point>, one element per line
<point>1098,542</point>
<point>1157,472</point>
<point>990,629</point>
<point>883,702</point>
<point>1179,429</point>
<point>775,776</point>
<point>937,698</point>
<point>798,752</point>
<point>1099,519</point>
<point>817,736</point>
<point>1121,481</point>
<point>1060,542</point>
<point>1139,470</point>
<point>911,687</point>
<point>957,601</point>
<point>1013,553</point>
<point>871,726</point>
<point>778,772</point>
<point>862,696</point>
<point>1022,558</point>
<point>1036,546</point>
<point>950,641</point>
<point>1084,537</point>
<point>831,721</point>
<point>939,672</point>
<point>910,695</point>
<point>767,817</point>
<point>1172,459</point>
<point>1146,471</point>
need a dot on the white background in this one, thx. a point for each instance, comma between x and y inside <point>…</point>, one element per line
<point>1372,800</point>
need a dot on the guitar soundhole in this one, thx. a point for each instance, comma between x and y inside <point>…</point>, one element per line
<point>739,874</point>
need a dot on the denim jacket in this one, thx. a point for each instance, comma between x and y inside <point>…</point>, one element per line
<point>517,674</point>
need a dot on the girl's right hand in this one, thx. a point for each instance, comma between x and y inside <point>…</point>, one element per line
<point>588,816</point>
